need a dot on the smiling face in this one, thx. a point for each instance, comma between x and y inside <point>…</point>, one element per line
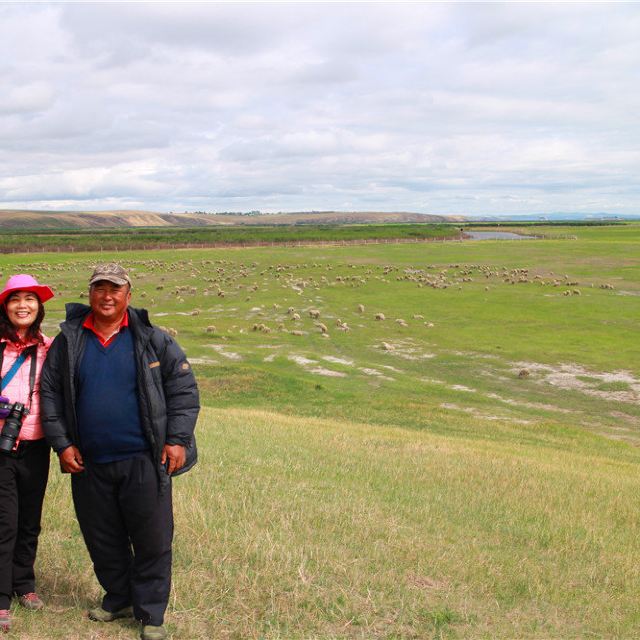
<point>109,301</point>
<point>22,310</point>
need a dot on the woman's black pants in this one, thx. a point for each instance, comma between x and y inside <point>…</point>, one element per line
<point>23,480</point>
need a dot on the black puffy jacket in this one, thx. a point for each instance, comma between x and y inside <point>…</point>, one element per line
<point>167,389</point>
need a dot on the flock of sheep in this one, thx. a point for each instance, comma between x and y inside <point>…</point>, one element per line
<point>154,282</point>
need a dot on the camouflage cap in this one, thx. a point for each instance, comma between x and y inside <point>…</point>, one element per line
<point>112,272</point>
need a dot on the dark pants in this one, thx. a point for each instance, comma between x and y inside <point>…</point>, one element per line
<point>23,480</point>
<point>128,529</point>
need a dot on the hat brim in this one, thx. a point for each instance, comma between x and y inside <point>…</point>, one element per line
<point>109,278</point>
<point>43,292</point>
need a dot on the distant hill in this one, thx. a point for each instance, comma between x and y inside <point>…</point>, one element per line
<point>27,219</point>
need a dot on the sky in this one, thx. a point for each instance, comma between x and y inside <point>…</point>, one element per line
<point>444,108</point>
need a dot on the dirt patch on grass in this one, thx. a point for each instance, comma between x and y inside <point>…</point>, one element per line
<point>484,416</point>
<point>220,348</point>
<point>404,349</point>
<point>330,373</point>
<point>425,582</point>
<point>374,372</point>
<point>529,405</point>
<point>308,365</point>
<point>203,361</point>
<point>344,361</point>
<point>461,387</point>
<point>622,385</point>
<point>302,361</point>
<point>621,415</point>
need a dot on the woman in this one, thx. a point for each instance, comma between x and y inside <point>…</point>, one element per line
<point>24,453</point>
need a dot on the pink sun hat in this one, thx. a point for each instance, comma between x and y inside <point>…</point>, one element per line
<point>24,282</point>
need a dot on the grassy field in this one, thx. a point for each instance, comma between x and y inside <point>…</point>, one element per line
<point>469,472</point>
<point>145,238</point>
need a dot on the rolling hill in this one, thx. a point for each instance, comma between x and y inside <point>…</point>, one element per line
<point>30,219</point>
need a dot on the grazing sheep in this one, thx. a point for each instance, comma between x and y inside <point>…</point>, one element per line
<point>314,313</point>
<point>360,308</point>
<point>524,373</point>
<point>195,312</point>
<point>387,347</point>
<point>297,333</point>
<point>322,327</point>
<point>261,327</point>
<point>211,329</point>
<point>172,332</point>
<point>401,322</point>
<point>379,316</point>
<point>295,317</point>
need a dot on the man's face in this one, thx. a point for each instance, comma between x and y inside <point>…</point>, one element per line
<point>109,301</point>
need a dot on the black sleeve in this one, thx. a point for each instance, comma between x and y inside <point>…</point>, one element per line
<point>52,396</point>
<point>180,390</point>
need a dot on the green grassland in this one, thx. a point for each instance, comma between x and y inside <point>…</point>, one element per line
<point>469,472</point>
<point>101,239</point>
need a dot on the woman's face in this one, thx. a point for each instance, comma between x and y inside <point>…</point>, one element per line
<point>22,309</point>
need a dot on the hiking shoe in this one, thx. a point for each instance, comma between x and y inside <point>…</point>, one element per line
<point>31,601</point>
<point>5,620</point>
<point>98,614</point>
<point>151,632</point>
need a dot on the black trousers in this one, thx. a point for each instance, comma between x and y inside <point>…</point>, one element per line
<point>128,529</point>
<point>23,480</point>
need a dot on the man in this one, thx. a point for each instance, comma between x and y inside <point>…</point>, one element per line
<point>119,404</point>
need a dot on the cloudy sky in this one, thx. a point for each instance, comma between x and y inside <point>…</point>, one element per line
<point>434,108</point>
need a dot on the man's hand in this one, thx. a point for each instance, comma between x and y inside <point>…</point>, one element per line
<point>177,455</point>
<point>71,460</point>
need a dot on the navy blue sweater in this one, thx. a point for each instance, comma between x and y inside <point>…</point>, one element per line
<point>107,402</point>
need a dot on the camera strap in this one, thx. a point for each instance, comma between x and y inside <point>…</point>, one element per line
<point>31,351</point>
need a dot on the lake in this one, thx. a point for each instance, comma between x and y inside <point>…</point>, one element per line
<point>495,235</point>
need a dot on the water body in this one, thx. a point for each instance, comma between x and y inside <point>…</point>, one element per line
<point>495,235</point>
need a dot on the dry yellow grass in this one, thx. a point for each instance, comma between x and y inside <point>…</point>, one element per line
<point>304,528</point>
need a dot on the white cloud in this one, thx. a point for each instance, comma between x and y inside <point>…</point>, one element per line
<point>441,108</point>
